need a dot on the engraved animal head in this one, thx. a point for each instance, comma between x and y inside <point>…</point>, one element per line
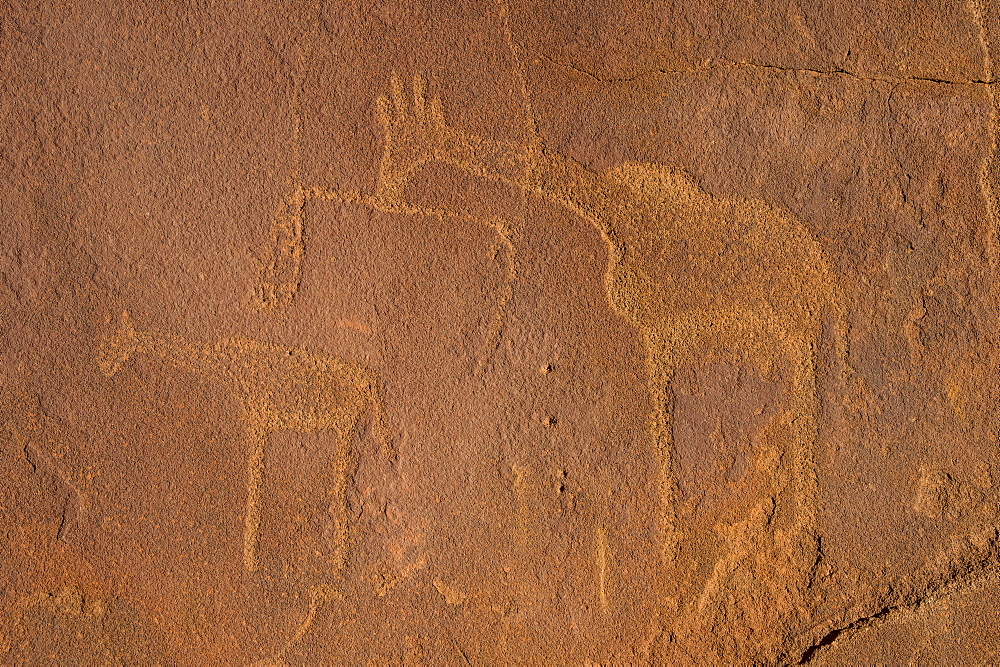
<point>116,349</point>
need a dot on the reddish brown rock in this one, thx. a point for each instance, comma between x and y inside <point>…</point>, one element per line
<point>498,332</point>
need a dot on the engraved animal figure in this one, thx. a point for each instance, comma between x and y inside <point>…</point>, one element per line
<point>694,274</point>
<point>278,388</point>
<point>282,276</point>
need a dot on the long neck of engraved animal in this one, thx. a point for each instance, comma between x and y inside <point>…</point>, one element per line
<point>198,358</point>
<point>502,161</point>
<point>569,184</point>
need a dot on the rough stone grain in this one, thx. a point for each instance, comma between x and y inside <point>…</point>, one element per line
<point>499,332</point>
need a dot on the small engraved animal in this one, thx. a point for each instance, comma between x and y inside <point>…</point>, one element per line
<point>278,388</point>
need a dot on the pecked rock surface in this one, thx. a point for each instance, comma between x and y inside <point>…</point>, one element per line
<point>499,332</point>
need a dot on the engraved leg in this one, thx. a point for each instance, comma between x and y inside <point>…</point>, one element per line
<point>661,426</point>
<point>803,409</point>
<point>255,479</point>
<point>284,273</point>
<point>338,532</point>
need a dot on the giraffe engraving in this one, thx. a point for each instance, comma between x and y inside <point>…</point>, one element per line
<point>696,276</point>
<point>278,388</point>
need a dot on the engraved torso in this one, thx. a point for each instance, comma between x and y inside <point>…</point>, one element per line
<point>682,251</point>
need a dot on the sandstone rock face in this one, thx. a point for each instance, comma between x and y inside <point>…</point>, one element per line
<point>499,332</point>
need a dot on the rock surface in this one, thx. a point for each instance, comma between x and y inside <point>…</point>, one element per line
<point>499,332</point>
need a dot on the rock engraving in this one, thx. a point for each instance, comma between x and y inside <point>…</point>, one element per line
<point>698,276</point>
<point>278,388</point>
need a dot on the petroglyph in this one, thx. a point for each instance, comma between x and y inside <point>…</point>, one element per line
<point>68,496</point>
<point>318,596</point>
<point>531,128</point>
<point>35,438</point>
<point>278,388</point>
<point>381,202</point>
<point>282,277</point>
<point>975,8</point>
<point>601,539</point>
<point>283,273</point>
<point>407,548</point>
<point>416,132</point>
<point>406,136</point>
<point>697,276</point>
<point>523,497</point>
<point>527,515</point>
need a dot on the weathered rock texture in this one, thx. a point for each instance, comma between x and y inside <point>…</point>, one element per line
<point>499,332</point>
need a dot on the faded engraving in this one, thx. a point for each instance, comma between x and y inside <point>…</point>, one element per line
<point>68,496</point>
<point>601,558</point>
<point>44,444</point>
<point>318,596</point>
<point>283,271</point>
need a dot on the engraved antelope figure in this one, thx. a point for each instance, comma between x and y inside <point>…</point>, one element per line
<point>278,388</point>
<point>694,274</point>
